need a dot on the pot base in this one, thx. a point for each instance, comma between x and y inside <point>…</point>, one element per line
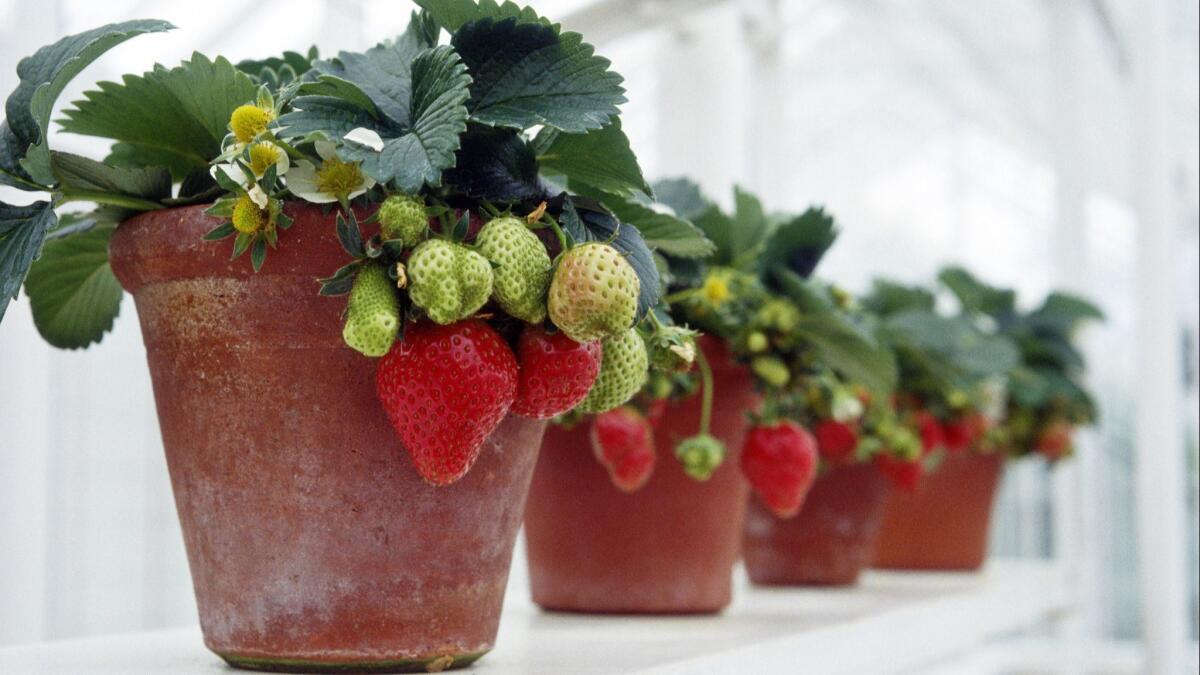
<point>430,665</point>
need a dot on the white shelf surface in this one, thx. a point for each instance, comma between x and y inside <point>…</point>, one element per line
<point>892,622</point>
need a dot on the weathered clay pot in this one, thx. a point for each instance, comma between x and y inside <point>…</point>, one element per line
<point>944,524</point>
<point>829,542</point>
<point>666,548</point>
<point>313,543</point>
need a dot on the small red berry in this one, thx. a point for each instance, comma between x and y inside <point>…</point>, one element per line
<point>624,444</point>
<point>963,433</point>
<point>556,373</point>
<point>445,389</point>
<point>904,473</point>
<point>780,461</point>
<point>1055,441</point>
<point>931,432</point>
<point>836,441</point>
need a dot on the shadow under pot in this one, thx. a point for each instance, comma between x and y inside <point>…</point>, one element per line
<point>667,548</point>
<point>313,543</point>
<point>944,524</point>
<point>829,542</point>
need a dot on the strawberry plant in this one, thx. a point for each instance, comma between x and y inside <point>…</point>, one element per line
<point>475,171</point>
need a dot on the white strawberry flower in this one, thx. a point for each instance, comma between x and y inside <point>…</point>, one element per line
<point>334,181</point>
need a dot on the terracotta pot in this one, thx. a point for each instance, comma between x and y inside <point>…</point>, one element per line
<point>829,542</point>
<point>666,548</point>
<point>944,524</point>
<point>313,543</point>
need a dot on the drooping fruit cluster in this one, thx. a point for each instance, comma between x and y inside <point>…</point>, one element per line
<point>780,461</point>
<point>624,444</point>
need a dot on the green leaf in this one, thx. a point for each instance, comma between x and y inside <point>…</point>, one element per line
<point>325,115</point>
<point>526,74</point>
<point>888,297</point>
<point>977,297</point>
<point>1062,312</point>
<point>798,244</point>
<point>384,74</point>
<point>439,117</point>
<point>718,227</point>
<point>72,291</point>
<point>22,231</point>
<point>11,152</point>
<point>43,77</point>
<point>750,230</point>
<point>601,158</point>
<point>662,231</point>
<point>496,165</point>
<point>175,118</point>
<point>682,195</point>
<point>452,14</point>
<point>78,174</point>
<point>271,69</point>
<point>336,87</point>
<point>836,340</point>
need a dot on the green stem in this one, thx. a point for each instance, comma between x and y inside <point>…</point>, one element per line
<point>681,295</point>
<point>27,183</point>
<point>287,147</point>
<point>706,403</point>
<point>107,198</point>
<point>562,237</point>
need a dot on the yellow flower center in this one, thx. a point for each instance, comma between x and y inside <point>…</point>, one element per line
<point>248,121</point>
<point>716,289</point>
<point>339,178</point>
<point>263,156</point>
<point>247,217</point>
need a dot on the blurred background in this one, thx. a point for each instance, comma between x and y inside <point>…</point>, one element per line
<point>1042,143</point>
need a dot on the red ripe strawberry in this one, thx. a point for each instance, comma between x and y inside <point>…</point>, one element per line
<point>556,373</point>
<point>780,461</point>
<point>904,473</point>
<point>1055,441</point>
<point>445,389</point>
<point>962,433</point>
<point>624,444</point>
<point>836,441</point>
<point>931,432</point>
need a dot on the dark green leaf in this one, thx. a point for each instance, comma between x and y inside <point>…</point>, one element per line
<point>682,195</point>
<point>526,74</point>
<point>749,232</point>
<point>452,14</point>
<point>175,118</point>
<point>496,165</point>
<point>384,73</point>
<point>294,62</point>
<point>336,87</point>
<point>662,231</point>
<point>72,291</point>
<point>888,297</point>
<point>22,230</point>
<point>718,227</point>
<point>45,74</point>
<point>78,174</point>
<point>351,237</point>
<point>975,296</point>
<point>11,152</point>
<point>326,115</point>
<point>439,116</point>
<point>1062,312</point>
<point>601,158</point>
<point>258,254</point>
<point>798,244</point>
<point>220,232</point>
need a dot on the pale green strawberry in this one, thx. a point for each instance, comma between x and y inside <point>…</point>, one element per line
<point>623,367</point>
<point>522,267</point>
<point>449,281</point>
<point>594,293</point>
<point>403,217</point>
<point>372,314</point>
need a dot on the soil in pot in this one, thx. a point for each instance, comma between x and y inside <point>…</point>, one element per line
<point>313,543</point>
<point>944,524</point>
<point>829,542</point>
<point>666,548</point>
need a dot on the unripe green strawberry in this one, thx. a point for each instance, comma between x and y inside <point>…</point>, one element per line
<point>403,217</point>
<point>700,455</point>
<point>522,267</point>
<point>771,370</point>
<point>623,367</point>
<point>372,315</point>
<point>672,349</point>
<point>594,293</point>
<point>449,281</point>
